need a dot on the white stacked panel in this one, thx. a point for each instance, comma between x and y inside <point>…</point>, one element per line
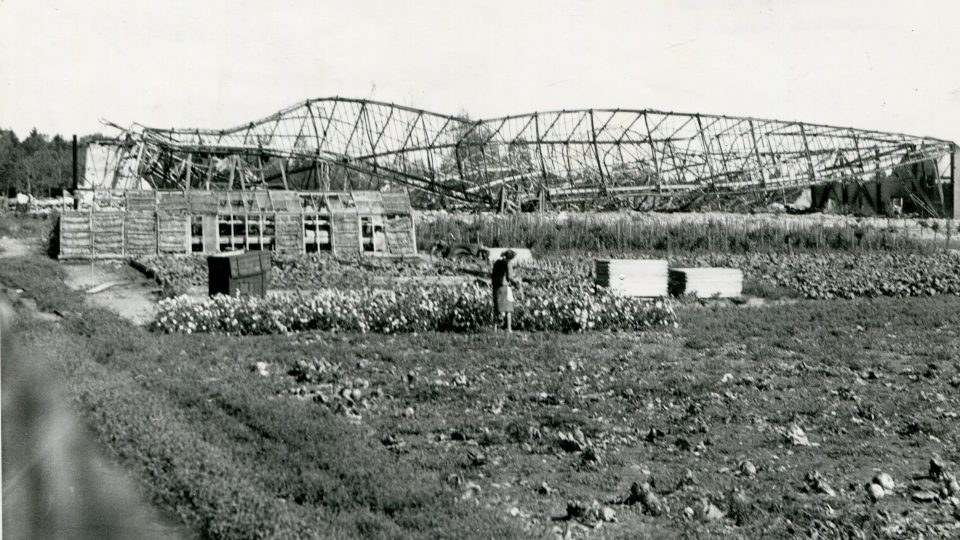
<point>707,282</point>
<point>633,277</point>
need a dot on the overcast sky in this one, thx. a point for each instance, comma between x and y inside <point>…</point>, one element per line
<point>892,66</point>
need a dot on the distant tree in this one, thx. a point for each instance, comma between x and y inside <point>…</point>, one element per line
<point>37,165</point>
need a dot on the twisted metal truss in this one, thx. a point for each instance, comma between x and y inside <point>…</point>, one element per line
<point>642,158</point>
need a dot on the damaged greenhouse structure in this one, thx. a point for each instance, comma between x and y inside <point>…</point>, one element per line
<point>341,174</point>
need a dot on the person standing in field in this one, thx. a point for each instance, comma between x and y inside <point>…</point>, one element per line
<point>503,281</point>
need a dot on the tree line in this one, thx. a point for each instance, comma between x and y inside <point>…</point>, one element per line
<point>38,165</point>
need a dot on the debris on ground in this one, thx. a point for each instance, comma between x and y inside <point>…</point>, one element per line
<point>798,437</point>
<point>592,514</point>
<point>818,484</point>
<point>643,493</point>
<point>885,481</point>
<point>875,491</point>
<point>262,369</point>
<point>924,496</point>
<point>710,512</point>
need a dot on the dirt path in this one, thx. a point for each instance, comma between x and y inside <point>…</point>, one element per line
<point>116,286</point>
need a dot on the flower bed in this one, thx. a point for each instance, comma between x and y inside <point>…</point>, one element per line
<point>410,309</point>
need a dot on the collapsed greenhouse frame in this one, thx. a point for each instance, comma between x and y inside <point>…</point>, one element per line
<point>355,169</point>
<point>581,159</point>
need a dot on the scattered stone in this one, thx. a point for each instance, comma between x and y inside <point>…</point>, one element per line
<point>748,469</point>
<point>937,467</point>
<point>653,435</point>
<point>688,479</point>
<point>798,437</point>
<point>953,487</point>
<point>472,489</point>
<point>545,489</point>
<point>591,456</point>
<point>875,491</point>
<point>408,412</point>
<point>460,380</point>
<point>262,368</point>
<point>727,377</point>
<point>818,484</point>
<point>643,494</point>
<point>608,514</point>
<point>569,443</point>
<point>709,512</point>
<point>688,513</point>
<point>392,441</point>
<point>923,496</point>
<point>352,415</point>
<point>356,394</point>
<point>477,457</point>
<point>885,481</point>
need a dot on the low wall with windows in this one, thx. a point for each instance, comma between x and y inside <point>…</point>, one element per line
<point>118,224</point>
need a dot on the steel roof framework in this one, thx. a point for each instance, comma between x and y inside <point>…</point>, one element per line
<point>654,159</point>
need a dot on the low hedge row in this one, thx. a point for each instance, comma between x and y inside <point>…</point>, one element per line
<point>411,308</point>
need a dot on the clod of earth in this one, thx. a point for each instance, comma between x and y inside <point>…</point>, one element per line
<point>798,437</point>
<point>875,491</point>
<point>653,435</point>
<point>748,469</point>
<point>569,442</point>
<point>885,481</point>
<point>818,484</point>
<point>937,468</point>
<point>643,493</point>
<point>262,369</point>
<point>710,512</point>
<point>953,487</point>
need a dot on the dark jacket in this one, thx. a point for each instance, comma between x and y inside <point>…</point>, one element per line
<point>501,274</point>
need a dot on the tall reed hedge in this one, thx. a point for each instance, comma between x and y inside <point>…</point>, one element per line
<point>599,233</point>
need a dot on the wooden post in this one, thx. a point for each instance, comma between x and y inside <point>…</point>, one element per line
<point>189,165</point>
<point>76,175</point>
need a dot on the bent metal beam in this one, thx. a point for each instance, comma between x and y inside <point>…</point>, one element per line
<point>643,158</point>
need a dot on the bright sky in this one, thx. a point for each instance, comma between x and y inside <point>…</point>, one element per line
<point>892,66</point>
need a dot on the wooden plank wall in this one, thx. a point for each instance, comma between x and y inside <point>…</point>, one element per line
<point>108,233</point>
<point>173,232</point>
<point>141,201</point>
<point>346,233</point>
<point>140,232</point>
<point>76,235</point>
<point>288,234</point>
<point>399,233</point>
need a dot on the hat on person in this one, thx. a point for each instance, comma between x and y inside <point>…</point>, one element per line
<point>509,254</point>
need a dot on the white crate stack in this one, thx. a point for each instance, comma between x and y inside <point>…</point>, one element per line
<point>706,282</point>
<point>633,277</point>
